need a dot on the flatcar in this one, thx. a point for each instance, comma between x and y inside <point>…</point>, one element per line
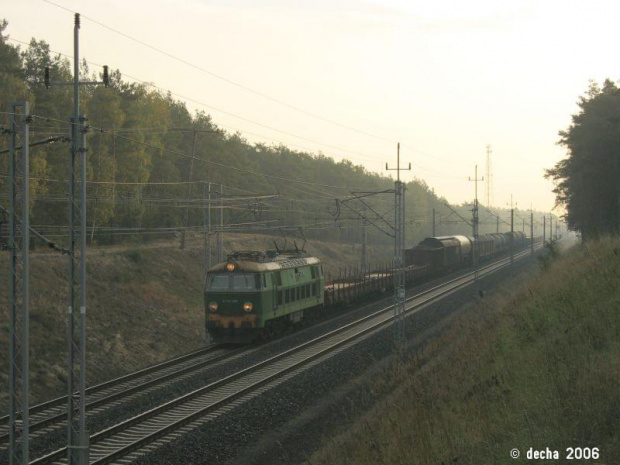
<point>256,294</point>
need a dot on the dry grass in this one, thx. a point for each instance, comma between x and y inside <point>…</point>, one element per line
<point>144,305</point>
<point>537,367</point>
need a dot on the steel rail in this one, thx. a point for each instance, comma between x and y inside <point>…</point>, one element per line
<point>54,411</point>
<point>130,435</point>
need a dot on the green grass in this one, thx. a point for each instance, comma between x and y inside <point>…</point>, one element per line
<point>537,367</point>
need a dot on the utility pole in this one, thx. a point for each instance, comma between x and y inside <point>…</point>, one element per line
<point>399,245</point>
<point>434,229</point>
<point>512,231</point>
<point>77,436</point>
<point>19,247</point>
<point>475,222</point>
<point>544,229</point>
<point>489,177</point>
<point>364,239</point>
<point>189,189</point>
<point>206,251</point>
<point>209,228</point>
<point>190,176</point>
<point>550,227</point>
<point>532,229</point>
<point>512,236</point>
<point>220,235</point>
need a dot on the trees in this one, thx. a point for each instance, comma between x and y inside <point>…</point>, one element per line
<point>143,144</point>
<point>588,180</point>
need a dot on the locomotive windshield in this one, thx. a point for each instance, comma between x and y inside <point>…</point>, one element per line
<point>234,282</point>
<point>218,282</point>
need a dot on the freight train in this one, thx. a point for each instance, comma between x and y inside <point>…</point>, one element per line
<point>447,253</point>
<point>257,294</point>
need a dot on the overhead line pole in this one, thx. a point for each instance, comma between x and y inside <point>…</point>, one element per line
<point>512,232</point>
<point>190,176</point>
<point>550,227</point>
<point>77,436</point>
<point>399,246</point>
<point>189,189</point>
<point>364,239</point>
<point>532,229</point>
<point>220,236</point>
<point>19,247</point>
<point>489,176</point>
<point>475,222</point>
<point>78,440</point>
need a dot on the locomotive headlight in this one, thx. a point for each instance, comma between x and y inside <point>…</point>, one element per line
<point>248,307</point>
<point>230,267</point>
<point>213,306</point>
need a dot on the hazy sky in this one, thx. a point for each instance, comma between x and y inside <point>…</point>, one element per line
<point>445,78</point>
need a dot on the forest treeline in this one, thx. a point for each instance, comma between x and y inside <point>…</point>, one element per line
<point>150,162</point>
<point>588,179</point>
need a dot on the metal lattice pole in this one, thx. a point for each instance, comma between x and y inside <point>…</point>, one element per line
<point>532,230</point>
<point>189,190</point>
<point>18,285</point>
<point>364,240</point>
<point>220,235</point>
<point>77,436</point>
<point>476,245</point>
<point>208,229</point>
<point>512,235</point>
<point>399,278</point>
<point>399,246</point>
<point>77,440</point>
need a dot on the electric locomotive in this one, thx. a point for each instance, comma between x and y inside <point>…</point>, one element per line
<point>257,294</point>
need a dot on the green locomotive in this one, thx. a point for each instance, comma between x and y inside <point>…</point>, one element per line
<point>257,294</point>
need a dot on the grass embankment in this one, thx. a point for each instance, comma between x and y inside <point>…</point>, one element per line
<point>144,305</point>
<point>537,367</point>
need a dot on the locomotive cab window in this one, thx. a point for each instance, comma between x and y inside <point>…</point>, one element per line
<point>218,282</point>
<point>234,282</point>
<point>245,282</point>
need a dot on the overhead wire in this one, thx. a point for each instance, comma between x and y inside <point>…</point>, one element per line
<point>243,131</point>
<point>307,184</point>
<point>185,155</point>
<point>261,94</point>
<point>227,80</point>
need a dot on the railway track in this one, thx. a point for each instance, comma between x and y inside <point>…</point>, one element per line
<point>49,416</point>
<point>143,433</point>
